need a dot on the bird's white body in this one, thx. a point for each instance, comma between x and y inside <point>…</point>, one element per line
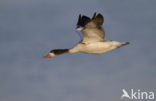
<point>96,47</point>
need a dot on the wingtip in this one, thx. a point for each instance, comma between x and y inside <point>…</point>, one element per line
<point>99,15</point>
<point>79,16</point>
<point>94,15</point>
<point>99,19</point>
<point>79,19</point>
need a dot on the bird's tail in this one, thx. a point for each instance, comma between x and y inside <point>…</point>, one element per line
<point>123,44</point>
<point>126,43</point>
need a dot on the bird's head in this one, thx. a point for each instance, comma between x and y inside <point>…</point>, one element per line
<point>51,54</point>
<point>56,52</point>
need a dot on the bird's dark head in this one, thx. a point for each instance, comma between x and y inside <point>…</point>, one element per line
<point>56,52</point>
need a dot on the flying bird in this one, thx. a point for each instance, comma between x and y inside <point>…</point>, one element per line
<point>92,36</point>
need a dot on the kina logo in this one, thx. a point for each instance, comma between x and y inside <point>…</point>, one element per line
<point>137,94</point>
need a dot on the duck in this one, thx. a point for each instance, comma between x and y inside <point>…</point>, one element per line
<point>92,35</point>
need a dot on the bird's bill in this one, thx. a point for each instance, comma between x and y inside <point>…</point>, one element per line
<point>48,56</point>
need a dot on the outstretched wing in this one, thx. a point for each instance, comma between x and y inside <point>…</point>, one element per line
<point>93,30</point>
<point>82,21</point>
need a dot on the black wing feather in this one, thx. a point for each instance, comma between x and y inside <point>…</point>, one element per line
<point>82,21</point>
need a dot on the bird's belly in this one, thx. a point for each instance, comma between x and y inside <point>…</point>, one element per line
<point>100,47</point>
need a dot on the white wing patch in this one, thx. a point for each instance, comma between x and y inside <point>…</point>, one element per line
<point>79,28</point>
